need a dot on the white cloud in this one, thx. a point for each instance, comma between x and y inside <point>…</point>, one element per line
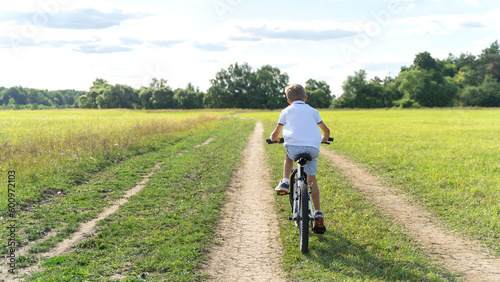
<point>185,42</point>
<point>444,24</point>
<point>394,33</point>
<point>472,2</point>
<point>75,19</point>
<point>483,43</point>
<point>297,34</point>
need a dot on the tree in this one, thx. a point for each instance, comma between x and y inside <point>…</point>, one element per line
<point>98,84</point>
<point>485,95</point>
<point>127,97</point>
<point>35,96</point>
<point>424,61</point>
<point>318,98</point>
<point>11,104</point>
<point>447,68</point>
<point>17,93</point>
<point>468,75</point>
<point>216,98</point>
<point>157,83</point>
<point>270,85</point>
<point>428,88</point>
<point>56,97</point>
<point>223,87</point>
<point>145,94</point>
<point>391,92</point>
<point>318,94</point>
<point>103,95</point>
<point>488,63</point>
<point>236,80</point>
<point>189,98</point>
<point>375,94</point>
<point>355,92</point>
<point>163,98</point>
<point>90,101</point>
<point>463,60</point>
<point>240,87</point>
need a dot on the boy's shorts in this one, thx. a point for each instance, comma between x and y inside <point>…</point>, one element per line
<point>311,167</point>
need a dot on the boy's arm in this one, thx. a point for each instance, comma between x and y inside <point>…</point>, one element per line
<point>326,131</point>
<point>276,133</point>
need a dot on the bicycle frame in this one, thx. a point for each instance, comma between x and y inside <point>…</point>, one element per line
<point>299,194</point>
<point>300,199</point>
<point>295,193</point>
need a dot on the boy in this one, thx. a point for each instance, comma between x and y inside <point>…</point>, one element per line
<point>300,123</point>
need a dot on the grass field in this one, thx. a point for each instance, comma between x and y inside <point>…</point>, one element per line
<point>45,146</point>
<point>448,159</point>
<point>71,165</point>
<point>164,232</point>
<point>360,243</point>
<point>59,195</point>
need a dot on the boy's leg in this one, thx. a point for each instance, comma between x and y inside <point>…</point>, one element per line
<point>287,167</point>
<point>319,224</point>
<point>284,184</point>
<point>314,191</point>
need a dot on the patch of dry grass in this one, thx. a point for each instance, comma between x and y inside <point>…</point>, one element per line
<point>37,143</point>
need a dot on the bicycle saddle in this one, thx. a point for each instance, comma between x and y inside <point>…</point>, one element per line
<point>305,156</point>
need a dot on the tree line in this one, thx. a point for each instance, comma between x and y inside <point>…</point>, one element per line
<point>238,86</point>
<point>28,98</point>
<point>466,80</point>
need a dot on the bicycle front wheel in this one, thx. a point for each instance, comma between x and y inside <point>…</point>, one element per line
<point>304,219</point>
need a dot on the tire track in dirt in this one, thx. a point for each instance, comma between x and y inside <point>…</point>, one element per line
<point>250,249</point>
<point>87,228</point>
<point>456,253</point>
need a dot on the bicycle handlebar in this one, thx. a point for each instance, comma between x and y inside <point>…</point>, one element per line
<point>282,140</point>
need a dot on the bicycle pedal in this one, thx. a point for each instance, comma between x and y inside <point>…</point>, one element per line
<point>320,229</point>
<point>281,193</point>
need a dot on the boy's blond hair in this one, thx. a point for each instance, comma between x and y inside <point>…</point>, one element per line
<point>295,92</point>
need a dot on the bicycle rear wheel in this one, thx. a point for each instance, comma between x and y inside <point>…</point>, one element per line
<point>304,219</point>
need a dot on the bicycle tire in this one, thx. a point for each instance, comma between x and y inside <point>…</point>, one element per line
<point>304,219</point>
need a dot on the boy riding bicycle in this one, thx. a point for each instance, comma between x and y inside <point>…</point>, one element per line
<point>300,124</point>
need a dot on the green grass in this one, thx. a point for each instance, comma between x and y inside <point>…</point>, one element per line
<point>104,153</point>
<point>68,207</point>
<point>360,244</point>
<point>60,146</point>
<point>447,159</point>
<point>164,232</point>
<point>61,197</point>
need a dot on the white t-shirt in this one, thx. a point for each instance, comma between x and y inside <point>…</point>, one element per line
<point>300,125</point>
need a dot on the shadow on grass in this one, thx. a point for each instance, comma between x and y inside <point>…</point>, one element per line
<point>368,262</point>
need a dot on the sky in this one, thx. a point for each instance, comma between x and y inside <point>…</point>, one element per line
<point>67,44</point>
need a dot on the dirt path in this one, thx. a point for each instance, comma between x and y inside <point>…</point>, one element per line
<point>457,253</point>
<point>250,249</point>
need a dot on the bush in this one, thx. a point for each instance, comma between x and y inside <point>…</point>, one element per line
<point>407,103</point>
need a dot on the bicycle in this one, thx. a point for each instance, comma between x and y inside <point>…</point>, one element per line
<point>300,198</point>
